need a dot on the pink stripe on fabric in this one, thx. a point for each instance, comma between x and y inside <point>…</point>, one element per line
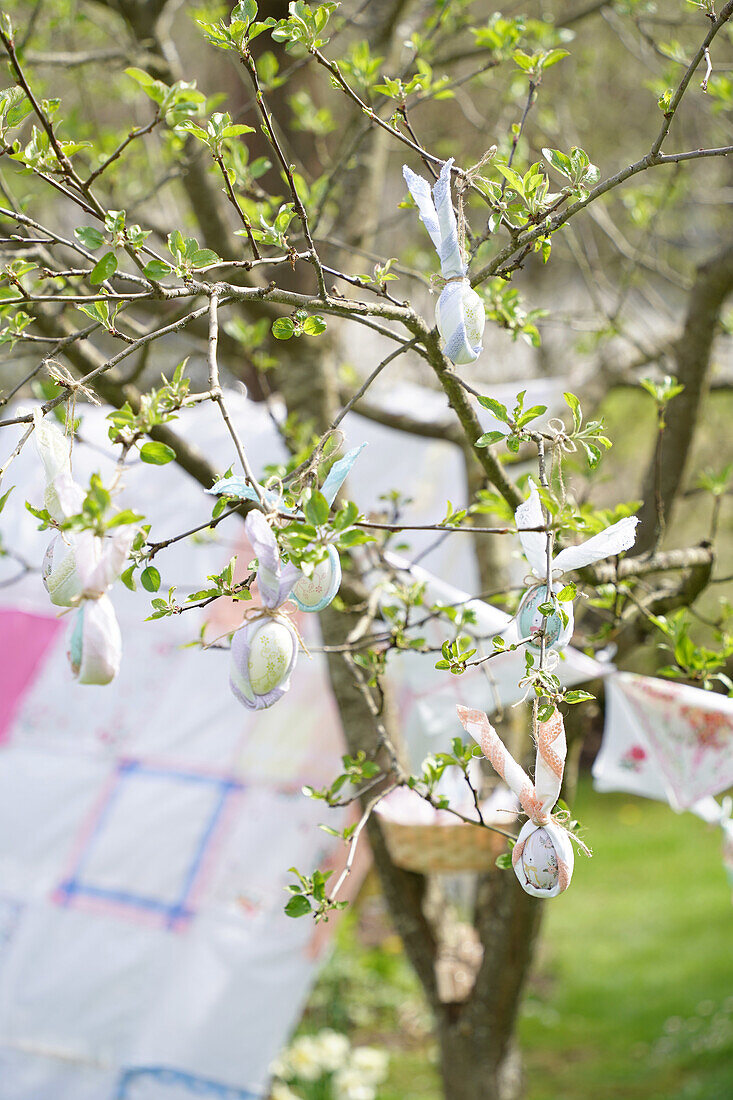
<point>25,640</point>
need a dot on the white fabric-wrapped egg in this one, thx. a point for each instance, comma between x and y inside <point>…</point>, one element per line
<point>95,643</point>
<point>543,859</point>
<point>316,592</point>
<point>263,655</point>
<point>460,317</point>
<point>59,572</point>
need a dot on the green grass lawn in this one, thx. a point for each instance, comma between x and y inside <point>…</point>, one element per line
<point>632,995</point>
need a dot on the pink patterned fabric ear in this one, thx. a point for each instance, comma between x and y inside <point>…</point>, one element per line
<point>543,857</point>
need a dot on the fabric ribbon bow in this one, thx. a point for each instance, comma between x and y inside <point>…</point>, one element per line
<point>459,314</point>
<point>543,856</point>
<point>614,540</point>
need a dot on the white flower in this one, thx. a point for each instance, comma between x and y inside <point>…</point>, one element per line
<point>304,1060</point>
<point>371,1063</point>
<point>349,1084</point>
<point>281,1091</point>
<point>333,1049</point>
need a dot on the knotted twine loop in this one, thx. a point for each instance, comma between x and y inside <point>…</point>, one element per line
<point>63,377</point>
<point>252,614</point>
<point>561,819</point>
<point>438,282</point>
<point>464,180</point>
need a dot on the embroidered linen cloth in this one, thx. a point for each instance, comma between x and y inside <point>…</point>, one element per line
<point>665,740</point>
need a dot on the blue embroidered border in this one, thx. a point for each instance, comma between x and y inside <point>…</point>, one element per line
<point>197,1086</point>
<point>172,913</point>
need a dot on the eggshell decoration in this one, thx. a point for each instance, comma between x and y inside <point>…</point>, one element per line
<point>316,592</point>
<point>543,859</point>
<point>59,573</point>
<point>262,658</point>
<point>530,619</point>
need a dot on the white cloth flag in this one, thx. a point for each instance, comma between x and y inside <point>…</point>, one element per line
<point>670,742</point>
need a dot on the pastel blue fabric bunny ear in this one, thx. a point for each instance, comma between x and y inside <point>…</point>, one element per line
<point>436,213</point>
<point>274,579</point>
<point>459,313</point>
<point>238,486</point>
<point>339,472</point>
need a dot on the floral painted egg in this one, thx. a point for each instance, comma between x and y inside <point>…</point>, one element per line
<point>262,658</point>
<point>539,860</point>
<point>316,592</point>
<point>59,573</point>
<point>543,859</point>
<point>530,619</point>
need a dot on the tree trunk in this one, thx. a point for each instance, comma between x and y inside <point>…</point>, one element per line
<point>691,364</point>
<point>471,1067</point>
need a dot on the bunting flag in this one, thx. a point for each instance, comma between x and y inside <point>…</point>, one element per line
<point>672,743</point>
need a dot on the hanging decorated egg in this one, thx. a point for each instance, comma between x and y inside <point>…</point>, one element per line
<point>263,655</point>
<point>59,572</point>
<point>460,317</point>
<point>95,643</point>
<point>530,619</point>
<point>543,859</point>
<point>316,592</point>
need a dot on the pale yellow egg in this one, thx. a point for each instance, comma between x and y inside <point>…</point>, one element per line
<point>270,654</point>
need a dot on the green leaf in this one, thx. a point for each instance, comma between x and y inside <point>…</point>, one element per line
<point>504,861</point>
<point>488,438</point>
<point>156,269</point>
<point>283,328</point>
<point>123,518</point>
<point>158,454</point>
<point>150,579</point>
<point>128,578</point>
<point>314,326</point>
<point>103,269</point>
<point>90,237</point>
<point>204,257</point>
<point>316,509</point>
<point>4,497</point>
<point>574,404</point>
<point>578,696</point>
<point>298,906</point>
<point>495,407</point>
<point>553,57</point>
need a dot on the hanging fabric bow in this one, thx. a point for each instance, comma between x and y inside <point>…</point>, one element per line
<point>543,856</point>
<point>62,497</point>
<point>615,539</point>
<point>265,649</point>
<point>459,314</point>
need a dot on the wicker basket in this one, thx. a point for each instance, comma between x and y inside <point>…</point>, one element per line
<point>442,848</point>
